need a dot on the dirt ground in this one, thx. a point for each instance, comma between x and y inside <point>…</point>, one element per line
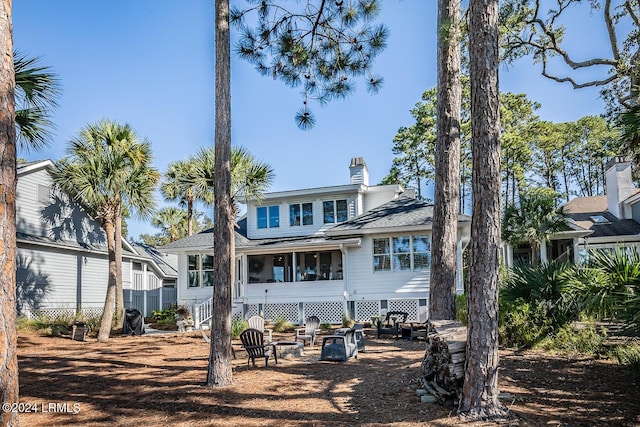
<point>157,380</point>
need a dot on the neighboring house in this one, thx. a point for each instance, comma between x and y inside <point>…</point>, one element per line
<point>351,249</point>
<point>62,263</point>
<point>597,222</point>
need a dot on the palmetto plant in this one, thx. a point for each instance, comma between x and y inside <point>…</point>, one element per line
<point>544,283</point>
<point>609,285</point>
<point>37,91</point>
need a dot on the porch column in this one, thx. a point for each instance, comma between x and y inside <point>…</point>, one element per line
<point>459,282</point>
<point>343,257</point>
<point>295,267</point>
<point>543,252</point>
<point>576,249</point>
<point>509,256</point>
<point>145,287</point>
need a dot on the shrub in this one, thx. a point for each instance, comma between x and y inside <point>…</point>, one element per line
<point>582,338</point>
<point>607,287</point>
<point>282,325</point>
<point>237,326</point>
<point>627,354</point>
<point>59,325</point>
<point>347,322</point>
<point>164,316</point>
<point>523,324</point>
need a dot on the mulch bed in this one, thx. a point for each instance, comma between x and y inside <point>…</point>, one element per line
<point>159,380</point>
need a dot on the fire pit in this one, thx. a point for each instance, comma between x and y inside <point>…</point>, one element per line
<point>289,349</point>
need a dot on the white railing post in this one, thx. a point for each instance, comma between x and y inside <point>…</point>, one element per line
<point>196,315</point>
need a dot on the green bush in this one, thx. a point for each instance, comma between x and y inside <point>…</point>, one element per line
<point>59,325</point>
<point>237,326</point>
<point>347,322</point>
<point>627,354</point>
<point>164,316</point>
<point>282,325</point>
<point>523,324</point>
<point>576,339</point>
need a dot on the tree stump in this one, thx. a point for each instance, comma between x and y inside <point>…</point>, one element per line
<point>443,364</point>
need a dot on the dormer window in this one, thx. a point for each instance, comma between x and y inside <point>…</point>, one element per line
<point>599,219</point>
<point>335,211</point>
<point>300,214</point>
<point>268,216</point>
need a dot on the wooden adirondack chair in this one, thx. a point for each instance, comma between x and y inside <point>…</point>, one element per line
<point>253,343</point>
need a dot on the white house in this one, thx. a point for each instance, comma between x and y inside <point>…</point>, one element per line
<point>62,261</point>
<point>597,222</point>
<point>355,249</point>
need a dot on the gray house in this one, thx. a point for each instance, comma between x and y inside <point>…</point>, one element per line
<point>355,249</point>
<point>62,257</point>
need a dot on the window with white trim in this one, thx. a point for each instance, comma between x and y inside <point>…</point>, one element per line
<point>334,211</point>
<point>300,214</point>
<point>268,216</point>
<point>200,270</point>
<point>402,253</point>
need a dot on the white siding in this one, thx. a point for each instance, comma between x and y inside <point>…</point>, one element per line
<point>365,284</point>
<point>186,295</point>
<point>382,195</point>
<point>285,230</point>
<point>321,290</point>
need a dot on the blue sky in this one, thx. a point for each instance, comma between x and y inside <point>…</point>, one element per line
<point>150,63</point>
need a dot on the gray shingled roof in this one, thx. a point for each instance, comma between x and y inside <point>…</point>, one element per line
<point>204,239</point>
<point>397,213</point>
<point>581,209</point>
<point>168,264</point>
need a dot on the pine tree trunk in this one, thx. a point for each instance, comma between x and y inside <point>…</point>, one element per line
<point>219,373</point>
<point>119,313</point>
<point>480,390</point>
<point>110,300</point>
<point>8,333</point>
<point>442,289</point>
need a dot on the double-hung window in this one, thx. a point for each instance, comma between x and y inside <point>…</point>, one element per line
<point>335,211</point>
<point>300,214</point>
<point>402,253</point>
<point>200,270</point>
<point>268,216</point>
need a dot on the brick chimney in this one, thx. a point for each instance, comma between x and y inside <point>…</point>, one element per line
<point>619,185</point>
<point>358,171</point>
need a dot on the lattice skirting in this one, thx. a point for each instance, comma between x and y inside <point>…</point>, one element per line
<point>56,314</point>
<point>332,311</point>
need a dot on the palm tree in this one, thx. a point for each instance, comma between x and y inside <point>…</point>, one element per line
<point>172,222</point>
<point>535,220</point>
<point>37,91</point>
<point>250,178</point>
<point>106,168</point>
<point>178,187</point>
